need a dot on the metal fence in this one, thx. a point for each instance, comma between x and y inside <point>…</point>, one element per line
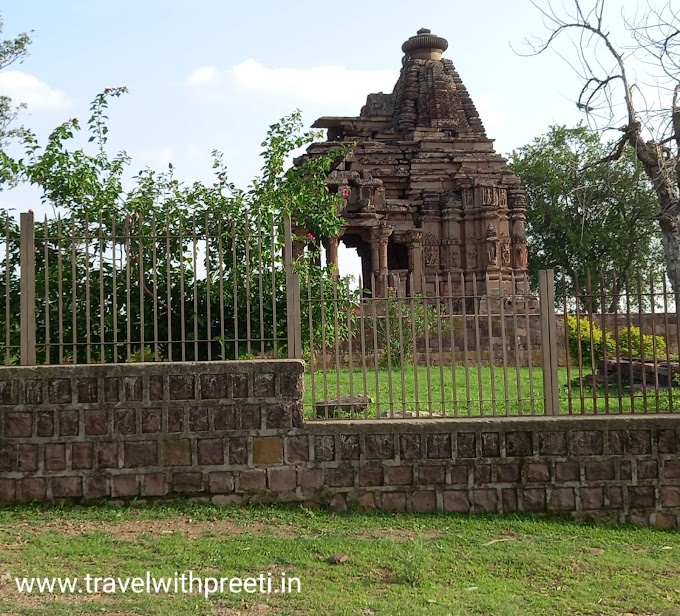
<point>432,355</point>
<point>506,354</point>
<point>135,289</point>
<point>624,360</point>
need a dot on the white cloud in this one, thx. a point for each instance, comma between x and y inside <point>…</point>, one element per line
<point>317,85</point>
<point>26,88</point>
<point>203,76</point>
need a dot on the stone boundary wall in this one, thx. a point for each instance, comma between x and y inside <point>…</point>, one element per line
<point>232,432</point>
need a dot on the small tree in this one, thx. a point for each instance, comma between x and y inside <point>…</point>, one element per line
<point>159,221</point>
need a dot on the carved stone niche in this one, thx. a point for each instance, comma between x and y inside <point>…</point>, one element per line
<point>506,252</point>
<point>502,198</point>
<point>452,202</point>
<point>491,246</point>
<point>370,192</point>
<point>492,252</point>
<point>430,252</point>
<point>488,196</point>
<point>468,196</point>
<point>471,253</point>
<point>521,255</point>
<point>451,254</point>
<point>379,196</point>
<point>431,207</point>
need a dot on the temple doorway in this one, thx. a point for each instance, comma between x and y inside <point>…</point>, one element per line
<point>354,259</point>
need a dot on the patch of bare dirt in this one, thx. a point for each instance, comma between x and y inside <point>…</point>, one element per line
<point>32,601</point>
<point>399,534</point>
<point>129,530</point>
<point>247,610</point>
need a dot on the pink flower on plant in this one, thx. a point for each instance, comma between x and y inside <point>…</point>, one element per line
<point>107,90</point>
<point>310,237</point>
<point>344,191</point>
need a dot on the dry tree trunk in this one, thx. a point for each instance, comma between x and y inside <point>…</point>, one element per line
<point>659,167</point>
<point>670,238</point>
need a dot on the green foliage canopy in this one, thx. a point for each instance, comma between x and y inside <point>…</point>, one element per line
<point>183,271</point>
<point>584,217</point>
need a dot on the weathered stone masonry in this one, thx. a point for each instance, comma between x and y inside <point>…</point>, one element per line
<point>232,432</point>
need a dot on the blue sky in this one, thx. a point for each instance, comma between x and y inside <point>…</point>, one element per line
<point>211,74</point>
<point>208,74</point>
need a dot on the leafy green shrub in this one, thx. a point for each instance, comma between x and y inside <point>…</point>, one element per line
<point>214,249</point>
<point>632,343</point>
<point>586,338</point>
<point>417,319</point>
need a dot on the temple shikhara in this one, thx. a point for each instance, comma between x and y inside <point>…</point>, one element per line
<point>427,194</point>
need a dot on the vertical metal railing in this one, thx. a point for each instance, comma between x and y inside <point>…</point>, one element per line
<point>621,344</point>
<point>132,289</point>
<point>27,289</point>
<point>447,351</point>
<point>145,289</point>
<point>549,342</point>
<point>293,315</point>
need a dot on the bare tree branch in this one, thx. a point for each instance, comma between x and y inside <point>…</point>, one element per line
<point>614,156</point>
<point>610,85</point>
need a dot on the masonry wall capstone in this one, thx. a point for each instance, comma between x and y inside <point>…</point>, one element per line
<point>233,432</point>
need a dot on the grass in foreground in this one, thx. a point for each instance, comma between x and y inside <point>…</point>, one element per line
<point>477,391</point>
<point>398,563</point>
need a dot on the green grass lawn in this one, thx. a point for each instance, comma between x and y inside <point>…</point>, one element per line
<point>397,563</point>
<point>476,391</point>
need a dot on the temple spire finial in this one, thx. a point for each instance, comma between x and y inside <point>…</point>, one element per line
<point>425,46</point>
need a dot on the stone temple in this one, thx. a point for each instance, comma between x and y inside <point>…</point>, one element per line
<point>427,194</point>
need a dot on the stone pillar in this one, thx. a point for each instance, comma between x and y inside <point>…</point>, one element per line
<point>518,240</point>
<point>332,253</point>
<point>298,249</point>
<point>382,242</point>
<point>375,265</point>
<point>380,237</point>
<point>415,260</point>
<point>375,257</point>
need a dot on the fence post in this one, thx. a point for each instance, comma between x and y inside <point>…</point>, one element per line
<point>293,313</point>
<point>27,288</point>
<point>546,300</point>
